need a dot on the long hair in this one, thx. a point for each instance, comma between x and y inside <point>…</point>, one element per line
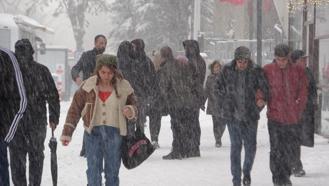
<point>116,75</point>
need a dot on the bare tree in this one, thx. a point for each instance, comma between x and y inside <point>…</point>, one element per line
<point>76,11</point>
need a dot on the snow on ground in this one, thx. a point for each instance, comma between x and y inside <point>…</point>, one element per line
<point>213,168</point>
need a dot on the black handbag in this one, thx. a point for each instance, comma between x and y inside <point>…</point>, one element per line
<point>135,149</point>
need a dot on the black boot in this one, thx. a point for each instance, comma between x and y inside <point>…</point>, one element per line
<point>246,180</point>
<point>172,156</point>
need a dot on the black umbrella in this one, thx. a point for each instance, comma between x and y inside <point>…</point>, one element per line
<point>53,157</point>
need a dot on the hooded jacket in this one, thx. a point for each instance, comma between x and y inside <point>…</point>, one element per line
<point>198,64</point>
<point>40,90</point>
<point>144,71</point>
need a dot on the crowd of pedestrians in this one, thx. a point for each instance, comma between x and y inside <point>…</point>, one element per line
<point>117,93</point>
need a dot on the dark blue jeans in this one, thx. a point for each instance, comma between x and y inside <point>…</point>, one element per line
<point>242,133</point>
<point>104,142</point>
<point>4,173</point>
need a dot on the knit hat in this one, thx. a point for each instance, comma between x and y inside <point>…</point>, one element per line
<point>297,54</point>
<point>281,50</point>
<point>242,52</point>
<point>106,59</point>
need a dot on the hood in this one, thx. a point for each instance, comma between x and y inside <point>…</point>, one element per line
<point>139,47</point>
<point>125,49</point>
<point>191,48</point>
<point>24,50</point>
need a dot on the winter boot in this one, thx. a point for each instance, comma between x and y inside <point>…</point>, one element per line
<point>155,144</point>
<point>172,156</point>
<point>298,172</point>
<point>218,144</point>
<point>246,180</point>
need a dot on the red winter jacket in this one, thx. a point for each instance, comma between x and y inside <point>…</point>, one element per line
<point>288,92</point>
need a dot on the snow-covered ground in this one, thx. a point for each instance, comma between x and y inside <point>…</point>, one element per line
<point>213,168</point>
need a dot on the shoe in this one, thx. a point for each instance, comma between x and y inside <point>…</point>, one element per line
<point>155,144</point>
<point>218,144</point>
<point>236,184</point>
<point>172,156</point>
<point>298,172</point>
<point>246,180</point>
<point>83,152</point>
<point>195,152</point>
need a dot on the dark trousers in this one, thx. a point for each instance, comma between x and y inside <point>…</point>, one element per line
<point>284,141</point>
<point>30,143</point>
<point>4,172</point>
<point>242,133</point>
<point>155,124</point>
<point>141,118</point>
<point>219,126</point>
<point>298,165</point>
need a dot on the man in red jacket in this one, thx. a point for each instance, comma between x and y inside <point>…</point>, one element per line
<point>287,99</point>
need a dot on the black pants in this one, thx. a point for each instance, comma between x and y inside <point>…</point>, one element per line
<point>29,143</point>
<point>219,126</point>
<point>284,141</point>
<point>4,172</point>
<point>155,124</point>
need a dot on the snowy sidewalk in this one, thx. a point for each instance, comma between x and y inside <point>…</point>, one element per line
<point>213,168</point>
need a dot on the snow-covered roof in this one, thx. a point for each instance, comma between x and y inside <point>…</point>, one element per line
<point>13,21</point>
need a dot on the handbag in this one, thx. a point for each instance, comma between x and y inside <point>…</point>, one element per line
<point>135,149</point>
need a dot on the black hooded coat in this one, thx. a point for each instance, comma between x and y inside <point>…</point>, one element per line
<point>40,90</point>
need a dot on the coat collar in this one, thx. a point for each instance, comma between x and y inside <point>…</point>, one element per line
<point>90,84</point>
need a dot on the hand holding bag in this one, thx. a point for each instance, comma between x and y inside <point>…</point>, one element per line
<point>135,149</point>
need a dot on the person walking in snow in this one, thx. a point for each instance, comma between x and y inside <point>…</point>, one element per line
<point>215,101</point>
<point>192,52</point>
<point>157,108</point>
<point>103,101</point>
<point>176,87</point>
<point>238,83</point>
<point>86,65</point>
<point>31,130</point>
<point>13,104</point>
<point>143,79</point>
<point>287,100</point>
<point>307,120</point>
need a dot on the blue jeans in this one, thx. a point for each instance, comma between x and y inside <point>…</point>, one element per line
<point>4,172</point>
<point>242,133</point>
<point>104,142</point>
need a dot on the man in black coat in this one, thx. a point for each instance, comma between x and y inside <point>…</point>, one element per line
<point>198,71</point>
<point>239,83</point>
<point>31,131</point>
<point>86,65</point>
<point>12,106</point>
<point>87,61</point>
<point>307,120</point>
<point>143,79</point>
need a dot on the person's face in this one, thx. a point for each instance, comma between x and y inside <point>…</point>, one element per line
<point>216,69</point>
<point>302,61</point>
<point>281,61</point>
<point>105,74</point>
<point>100,44</point>
<point>242,64</point>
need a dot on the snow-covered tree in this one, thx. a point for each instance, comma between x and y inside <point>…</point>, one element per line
<point>158,22</point>
<point>76,10</point>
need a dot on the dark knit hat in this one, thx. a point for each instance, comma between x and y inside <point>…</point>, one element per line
<point>297,54</point>
<point>242,52</point>
<point>106,59</point>
<point>281,50</point>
